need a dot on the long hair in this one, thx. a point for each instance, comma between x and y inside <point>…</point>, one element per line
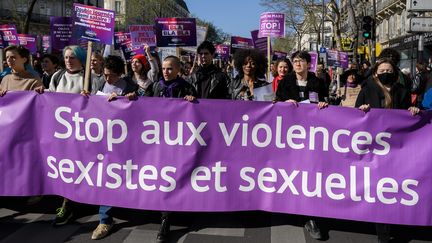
<point>259,59</point>
<point>387,96</point>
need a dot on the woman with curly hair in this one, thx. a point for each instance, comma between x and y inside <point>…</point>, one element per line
<point>251,66</point>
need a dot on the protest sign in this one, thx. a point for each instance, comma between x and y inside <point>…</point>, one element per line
<point>8,33</point>
<point>93,24</point>
<point>46,44</point>
<point>314,61</point>
<point>61,32</point>
<point>223,51</point>
<point>272,25</point>
<point>279,55</point>
<point>238,42</point>
<point>337,59</point>
<point>129,50</point>
<point>28,41</point>
<point>259,43</point>
<point>142,35</point>
<point>172,32</point>
<point>120,38</point>
<point>276,157</point>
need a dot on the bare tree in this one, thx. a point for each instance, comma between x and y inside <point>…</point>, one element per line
<point>28,15</point>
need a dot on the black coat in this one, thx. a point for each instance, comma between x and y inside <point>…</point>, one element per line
<point>288,89</point>
<point>180,91</point>
<point>372,94</point>
<point>218,82</point>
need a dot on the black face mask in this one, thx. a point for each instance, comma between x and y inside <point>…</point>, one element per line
<point>387,78</point>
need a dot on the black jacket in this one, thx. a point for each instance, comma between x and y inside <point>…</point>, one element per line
<point>180,91</point>
<point>372,94</point>
<point>288,89</point>
<point>218,82</point>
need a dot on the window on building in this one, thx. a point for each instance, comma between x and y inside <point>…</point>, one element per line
<point>117,6</point>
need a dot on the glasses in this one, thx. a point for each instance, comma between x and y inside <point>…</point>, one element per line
<point>299,61</point>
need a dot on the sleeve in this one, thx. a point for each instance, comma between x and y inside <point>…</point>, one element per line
<point>154,70</point>
<point>53,83</point>
<point>361,98</point>
<point>36,84</point>
<point>282,90</point>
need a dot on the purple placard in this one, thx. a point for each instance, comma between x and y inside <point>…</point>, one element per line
<point>28,41</point>
<point>337,59</point>
<point>46,44</point>
<point>272,154</point>
<point>238,42</point>
<point>8,33</point>
<point>130,50</point>
<point>314,61</point>
<point>279,55</point>
<point>223,51</point>
<point>171,32</point>
<point>93,24</point>
<point>142,35</point>
<point>272,25</point>
<point>61,32</point>
<point>120,38</point>
<point>259,43</point>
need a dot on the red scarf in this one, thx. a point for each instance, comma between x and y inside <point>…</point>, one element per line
<point>276,82</point>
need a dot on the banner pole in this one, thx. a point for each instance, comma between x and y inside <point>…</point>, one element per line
<point>87,67</point>
<point>268,59</point>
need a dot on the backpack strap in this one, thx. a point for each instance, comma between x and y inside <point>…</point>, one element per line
<point>57,77</point>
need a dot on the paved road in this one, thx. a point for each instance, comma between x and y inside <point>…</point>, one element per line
<point>20,223</point>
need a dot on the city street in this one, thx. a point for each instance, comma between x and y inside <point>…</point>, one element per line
<point>22,223</point>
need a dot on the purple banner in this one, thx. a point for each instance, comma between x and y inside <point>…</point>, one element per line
<point>46,44</point>
<point>120,38</point>
<point>223,51</point>
<point>142,35</point>
<point>171,32</point>
<point>259,43</point>
<point>272,25</point>
<point>29,42</point>
<point>130,50</point>
<point>61,32</point>
<point>252,156</point>
<point>93,24</point>
<point>8,34</point>
<point>337,59</point>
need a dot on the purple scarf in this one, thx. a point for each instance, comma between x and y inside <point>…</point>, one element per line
<point>168,87</point>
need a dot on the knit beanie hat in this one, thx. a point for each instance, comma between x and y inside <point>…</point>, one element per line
<point>143,60</point>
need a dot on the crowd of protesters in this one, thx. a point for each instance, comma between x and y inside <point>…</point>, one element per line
<point>382,85</point>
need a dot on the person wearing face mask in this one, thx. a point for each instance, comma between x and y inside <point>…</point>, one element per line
<point>383,90</point>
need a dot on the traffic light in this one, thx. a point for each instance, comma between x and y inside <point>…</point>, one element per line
<point>367,25</point>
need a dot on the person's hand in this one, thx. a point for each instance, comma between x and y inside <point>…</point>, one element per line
<point>112,97</point>
<point>85,93</point>
<point>39,90</point>
<point>131,96</point>
<point>322,105</point>
<point>189,98</point>
<point>147,51</point>
<point>414,110</point>
<point>365,108</point>
<point>294,102</point>
<point>2,92</point>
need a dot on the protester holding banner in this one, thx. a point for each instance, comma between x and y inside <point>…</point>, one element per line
<point>19,78</point>
<point>114,86</point>
<point>208,80</point>
<point>50,64</point>
<point>383,90</point>
<point>283,67</point>
<point>251,65</point>
<point>145,72</point>
<point>302,85</point>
